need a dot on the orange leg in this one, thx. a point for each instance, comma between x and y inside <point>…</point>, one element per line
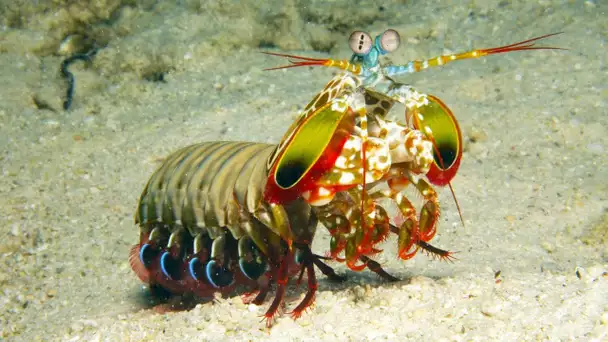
<point>430,249</point>
<point>414,231</point>
<point>430,210</point>
<point>408,232</point>
<point>310,261</point>
<point>309,298</point>
<point>281,279</point>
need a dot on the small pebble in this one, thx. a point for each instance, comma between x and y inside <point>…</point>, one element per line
<point>51,123</point>
<point>490,308</point>
<point>550,267</point>
<point>595,148</point>
<point>547,246</point>
<point>358,292</point>
<point>76,327</point>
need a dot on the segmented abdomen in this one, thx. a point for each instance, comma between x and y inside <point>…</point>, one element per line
<point>204,225</point>
<point>200,187</point>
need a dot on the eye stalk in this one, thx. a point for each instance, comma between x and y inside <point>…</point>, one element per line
<point>366,51</point>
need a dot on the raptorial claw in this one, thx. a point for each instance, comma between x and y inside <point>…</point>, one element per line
<point>357,268</point>
<point>404,255</point>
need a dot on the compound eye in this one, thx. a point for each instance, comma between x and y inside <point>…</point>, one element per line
<point>360,42</point>
<point>390,40</point>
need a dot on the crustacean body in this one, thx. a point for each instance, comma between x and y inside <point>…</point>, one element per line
<point>219,214</point>
<point>373,150</point>
<point>205,228</point>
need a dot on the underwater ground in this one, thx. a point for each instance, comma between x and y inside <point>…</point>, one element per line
<point>532,257</point>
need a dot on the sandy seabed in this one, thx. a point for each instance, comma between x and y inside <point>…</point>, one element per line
<point>533,186</point>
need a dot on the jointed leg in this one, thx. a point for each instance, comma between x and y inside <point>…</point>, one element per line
<point>413,229</point>
<point>281,279</point>
<point>375,267</point>
<point>257,297</point>
<point>408,231</point>
<point>430,249</point>
<point>308,264</point>
<point>430,210</point>
<point>309,298</point>
<point>326,269</point>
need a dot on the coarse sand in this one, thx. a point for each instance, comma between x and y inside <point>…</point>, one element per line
<point>532,257</point>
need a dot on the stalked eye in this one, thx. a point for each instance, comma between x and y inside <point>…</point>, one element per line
<point>437,122</point>
<point>389,41</point>
<point>360,42</point>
